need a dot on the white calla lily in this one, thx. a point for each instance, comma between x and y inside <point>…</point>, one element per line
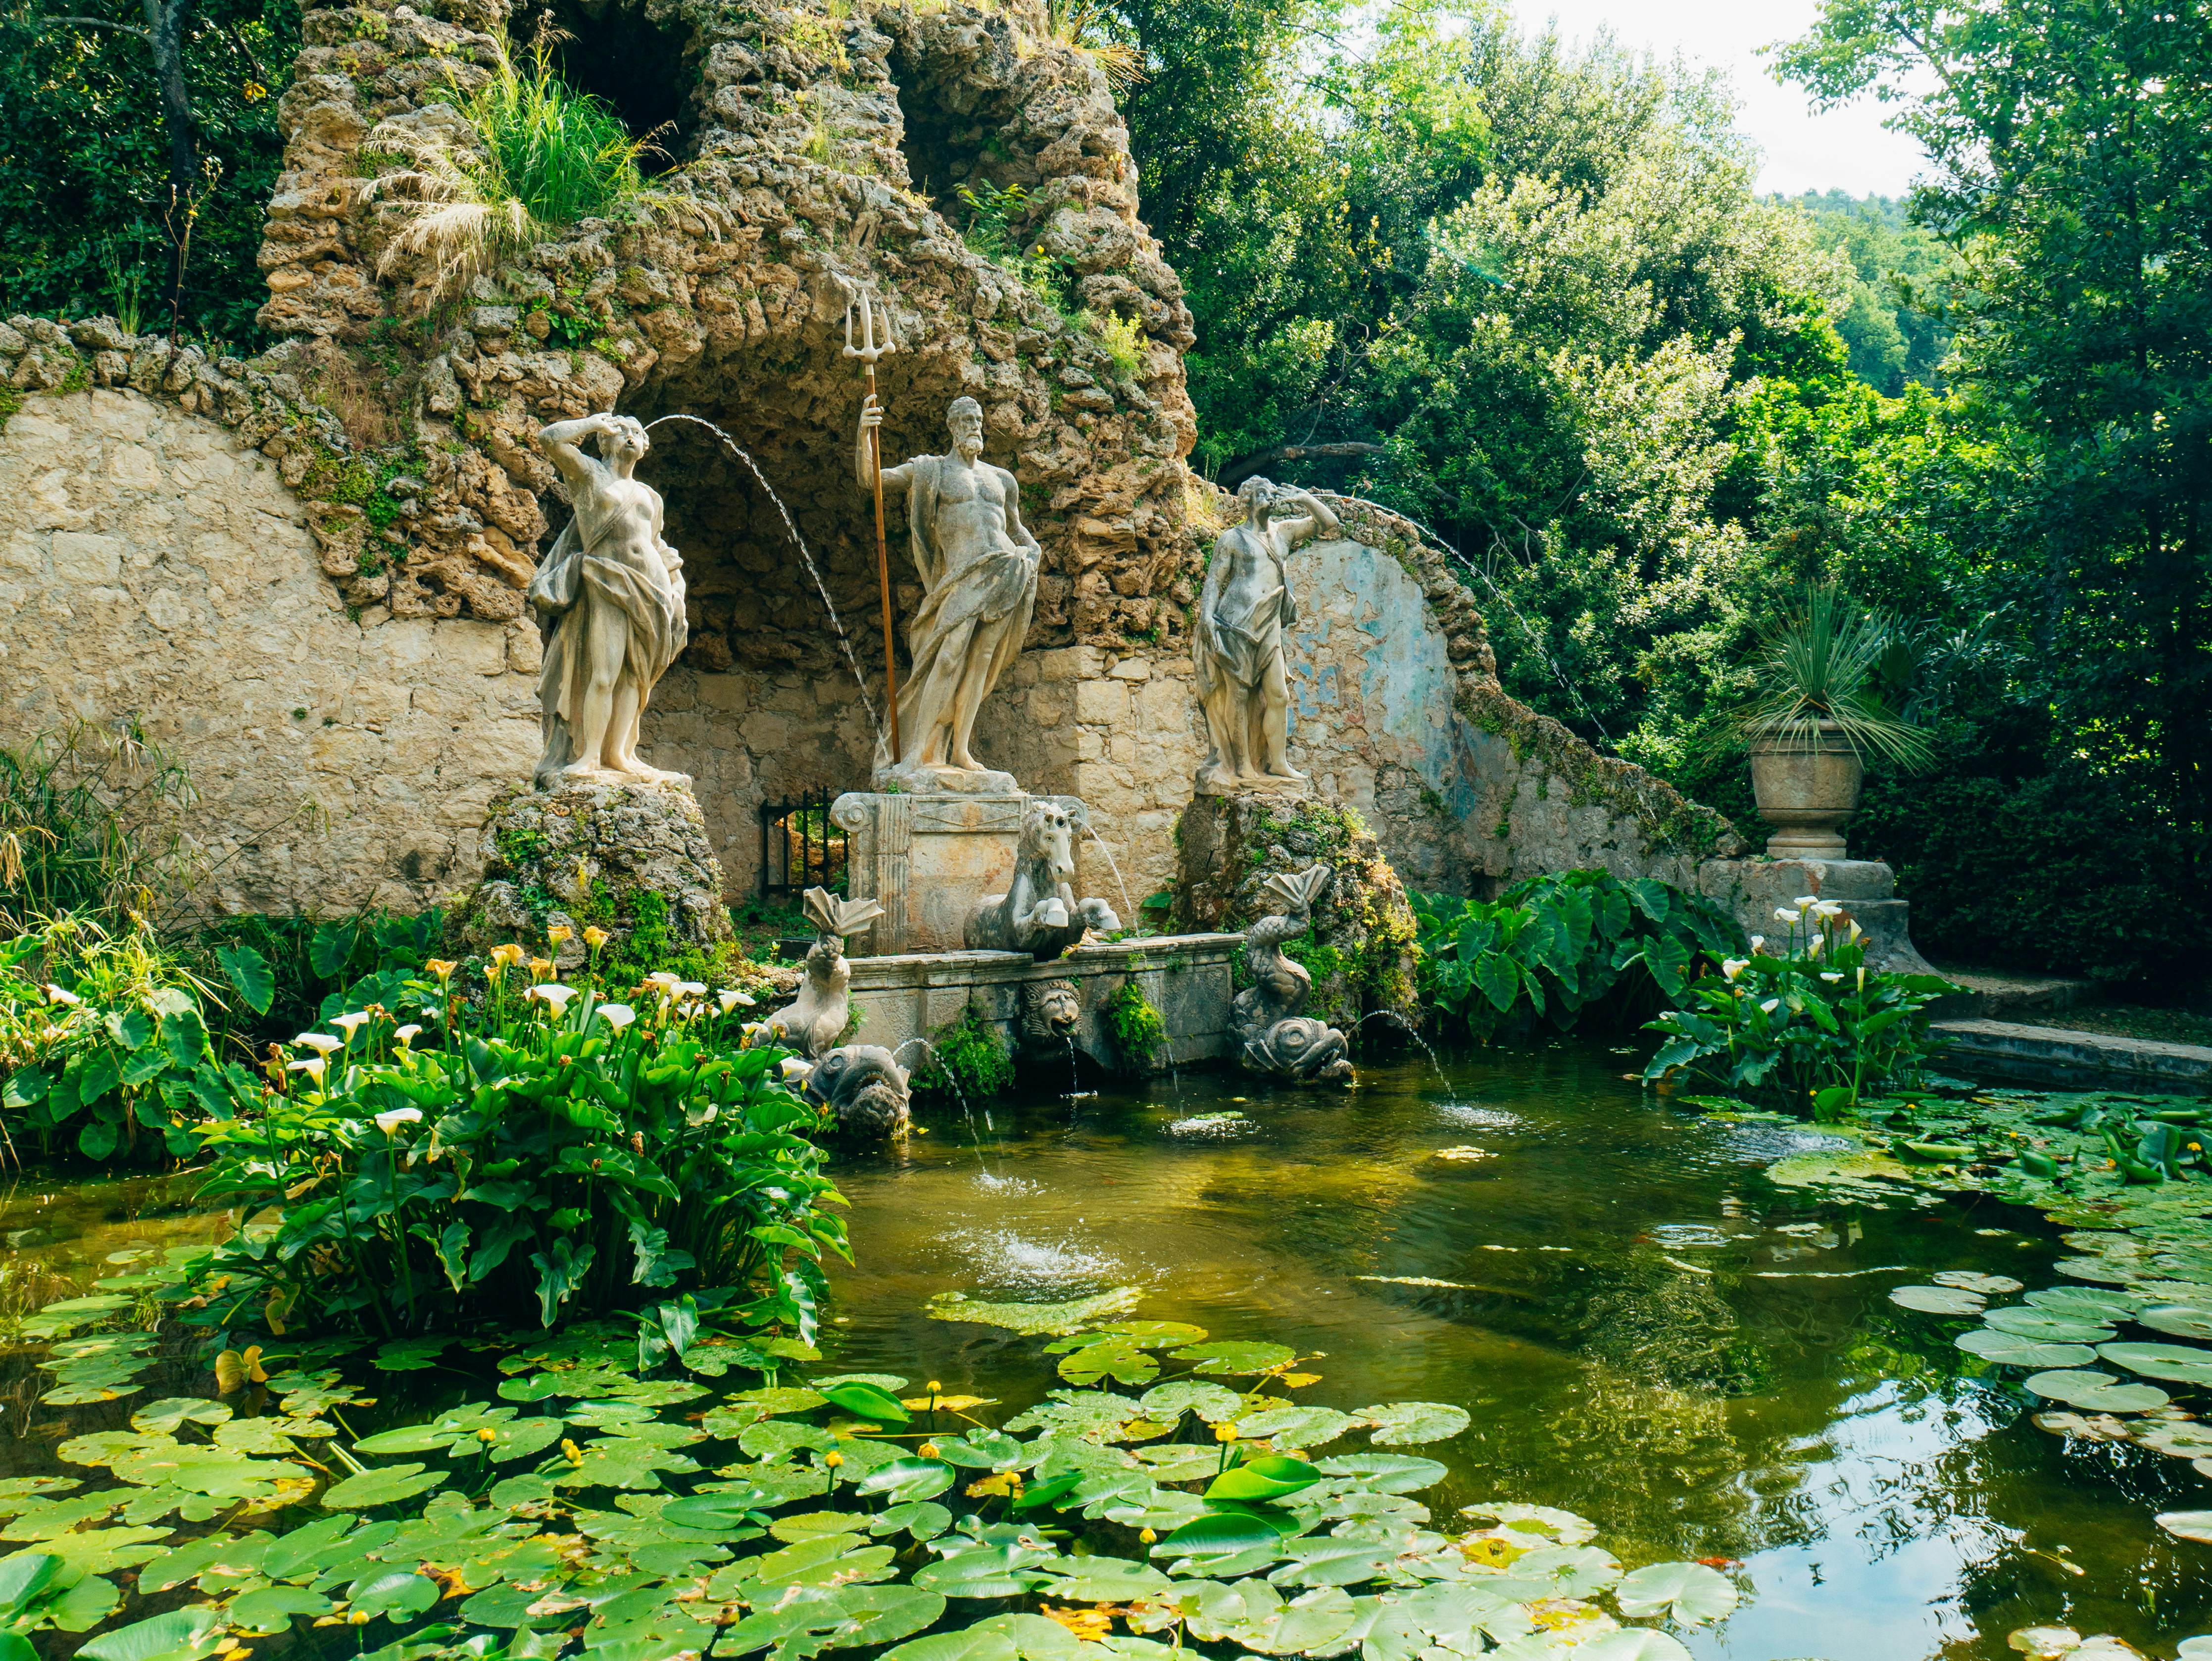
<point>388,1123</point>
<point>730,998</point>
<point>62,995</point>
<point>1735,967</point>
<point>321,1043</point>
<point>617,1015</point>
<point>555,994</point>
<point>313,1066</point>
<point>406,1034</point>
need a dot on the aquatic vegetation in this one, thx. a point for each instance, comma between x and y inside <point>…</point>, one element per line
<point>653,1514</point>
<point>557,1155</point>
<point>1555,948</point>
<point>1810,1027</point>
<point>103,1046</point>
<point>1138,1033</point>
<point>967,1061</point>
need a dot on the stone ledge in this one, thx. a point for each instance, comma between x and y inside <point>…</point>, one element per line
<point>2062,1057</point>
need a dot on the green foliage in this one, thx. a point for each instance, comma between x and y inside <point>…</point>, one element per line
<point>91,821</point>
<point>1895,322</point>
<point>104,1050</point>
<point>1122,338</point>
<point>1554,948</point>
<point>661,1511</point>
<point>967,1061</point>
<point>1810,1026</point>
<point>86,181</point>
<point>1823,666</point>
<point>546,156</point>
<point>320,967</point>
<point>584,1150</point>
<point>1138,1033</point>
<point>993,232</point>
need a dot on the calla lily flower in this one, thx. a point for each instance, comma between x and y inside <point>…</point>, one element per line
<point>559,933</point>
<point>1831,975</point>
<point>1771,1004</point>
<point>321,1043</point>
<point>1806,902</point>
<point>62,995</point>
<point>1735,967</point>
<point>541,969</point>
<point>1783,914</point>
<point>617,1015</point>
<point>664,977</point>
<point>349,1023</point>
<point>729,997</point>
<point>406,1034</point>
<point>595,938</point>
<point>691,988</point>
<point>388,1123</point>
<point>441,968</point>
<point>553,992</point>
<point>1759,942</point>
<point>793,1068</point>
<point>313,1066</point>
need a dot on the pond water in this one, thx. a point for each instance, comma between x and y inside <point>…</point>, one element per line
<point>1648,1330</point>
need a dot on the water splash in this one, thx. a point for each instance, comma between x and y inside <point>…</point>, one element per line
<point>1076,1092</point>
<point>836,623</point>
<point>989,1178</point>
<point>1411,1032</point>
<point>1128,911</point>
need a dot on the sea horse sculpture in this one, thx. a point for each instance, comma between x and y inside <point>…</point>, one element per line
<point>1277,1039</point>
<point>862,1084</point>
<point>1039,913</point>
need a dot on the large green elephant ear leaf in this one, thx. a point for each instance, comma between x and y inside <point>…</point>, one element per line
<point>249,975</point>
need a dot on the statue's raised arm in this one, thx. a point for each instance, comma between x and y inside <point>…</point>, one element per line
<point>1294,530</point>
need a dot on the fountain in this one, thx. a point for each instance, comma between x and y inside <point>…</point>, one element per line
<point>1277,1039</point>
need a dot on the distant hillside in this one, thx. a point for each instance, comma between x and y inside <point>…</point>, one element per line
<point>1896,326</point>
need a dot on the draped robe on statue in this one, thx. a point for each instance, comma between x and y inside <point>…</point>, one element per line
<point>576,580</point>
<point>996,591</point>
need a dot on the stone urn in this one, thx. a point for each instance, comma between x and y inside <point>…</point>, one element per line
<point>1807,792</point>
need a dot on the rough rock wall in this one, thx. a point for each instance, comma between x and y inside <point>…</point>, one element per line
<point>153,566</point>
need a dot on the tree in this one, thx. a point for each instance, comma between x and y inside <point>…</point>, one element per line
<point>2074,176</point>
<point>94,137</point>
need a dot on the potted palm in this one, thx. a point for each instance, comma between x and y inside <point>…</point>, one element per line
<point>1814,717</point>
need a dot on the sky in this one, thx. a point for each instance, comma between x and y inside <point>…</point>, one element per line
<point>1845,148</point>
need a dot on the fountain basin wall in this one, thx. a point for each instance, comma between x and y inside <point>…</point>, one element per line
<point>1187,977</point>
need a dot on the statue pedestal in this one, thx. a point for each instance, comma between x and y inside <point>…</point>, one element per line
<point>1866,889</point>
<point>632,858</point>
<point>1210,783</point>
<point>927,859</point>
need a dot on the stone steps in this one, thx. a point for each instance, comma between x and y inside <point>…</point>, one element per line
<point>2064,1058</point>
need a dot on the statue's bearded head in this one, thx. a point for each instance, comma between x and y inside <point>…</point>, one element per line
<point>964,420</point>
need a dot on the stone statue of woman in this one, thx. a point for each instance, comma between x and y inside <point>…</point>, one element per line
<point>610,605</point>
<point>1243,683</point>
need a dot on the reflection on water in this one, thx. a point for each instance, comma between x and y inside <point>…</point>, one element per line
<point>1648,1332</point>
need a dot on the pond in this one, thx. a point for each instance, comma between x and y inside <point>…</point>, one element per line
<point>1647,1328</point>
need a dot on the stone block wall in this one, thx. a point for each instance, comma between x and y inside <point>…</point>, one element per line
<point>154,567</point>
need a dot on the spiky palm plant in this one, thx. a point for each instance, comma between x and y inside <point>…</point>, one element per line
<point>1821,665</point>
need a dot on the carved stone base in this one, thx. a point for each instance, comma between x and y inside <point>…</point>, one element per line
<point>633,859</point>
<point>1211,783</point>
<point>921,781</point>
<point>925,859</point>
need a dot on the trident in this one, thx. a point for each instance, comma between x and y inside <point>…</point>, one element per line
<point>868,352</point>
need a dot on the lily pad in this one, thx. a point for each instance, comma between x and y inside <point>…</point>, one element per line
<point>1234,1358</point>
<point>1401,1424</point>
<point>382,1486</point>
<point>2096,1392</point>
<point>1967,1280</point>
<point>1296,1426</point>
<point>1057,1320</point>
<point>1693,1592</point>
<point>1936,1300</point>
<point>1165,1403</point>
<point>2043,1327</point>
<point>2011,1350</point>
<point>2188,1525</point>
<point>2175,1362</point>
<point>2180,1320</point>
